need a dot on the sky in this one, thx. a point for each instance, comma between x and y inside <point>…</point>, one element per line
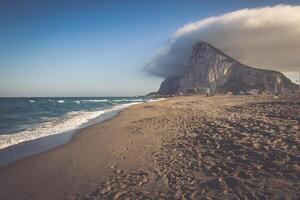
<point>264,37</point>
<point>94,48</point>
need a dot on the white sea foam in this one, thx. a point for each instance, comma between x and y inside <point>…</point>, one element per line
<point>95,100</point>
<point>128,100</point>
<point>78,102</point>
<point>113,100</point>
<point>31,101</point>
<point>60,101</point>
<point>155,100</point>
<point>72,121</point>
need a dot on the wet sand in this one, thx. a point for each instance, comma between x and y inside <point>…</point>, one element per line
<point>222,147</point>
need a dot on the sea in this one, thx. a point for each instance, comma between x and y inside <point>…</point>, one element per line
<point>33,125</point>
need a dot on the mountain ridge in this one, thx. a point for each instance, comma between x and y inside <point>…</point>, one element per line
<point>209,67</point>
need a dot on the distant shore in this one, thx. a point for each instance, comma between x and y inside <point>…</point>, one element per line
<point>182,147</point>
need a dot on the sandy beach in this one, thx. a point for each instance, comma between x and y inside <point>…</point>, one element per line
<point>195,147</point>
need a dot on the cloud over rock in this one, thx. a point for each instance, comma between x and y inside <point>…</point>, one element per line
<point>267,37</point>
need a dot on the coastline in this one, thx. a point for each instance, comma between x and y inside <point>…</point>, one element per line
<point>45,167</point>
<point>149,150</point>
<point>40,145</point>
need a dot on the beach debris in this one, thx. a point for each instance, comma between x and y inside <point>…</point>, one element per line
<point>113,166</point>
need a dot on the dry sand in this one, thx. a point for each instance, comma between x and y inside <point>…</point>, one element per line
<point>222,147</point>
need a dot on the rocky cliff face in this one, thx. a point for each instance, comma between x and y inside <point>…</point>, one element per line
<point>209,67</point>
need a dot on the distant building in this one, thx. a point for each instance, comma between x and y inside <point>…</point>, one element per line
<point>201,90</point>
<point>253,91</point>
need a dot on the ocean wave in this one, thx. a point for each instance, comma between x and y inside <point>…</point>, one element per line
<point>72,121</point>
<point>155,100</point>
<point>31,101</point>
<point>95,100</point>
<point>60,101</point>
<point>128,100</point>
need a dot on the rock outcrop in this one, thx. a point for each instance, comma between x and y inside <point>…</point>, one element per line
<point>209,67</point>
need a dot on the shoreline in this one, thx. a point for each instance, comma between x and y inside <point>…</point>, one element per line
<point>23,150</point>
<point>195,147</point>
<point>41,166</point>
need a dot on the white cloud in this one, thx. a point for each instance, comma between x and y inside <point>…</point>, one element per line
<point>266,37</point>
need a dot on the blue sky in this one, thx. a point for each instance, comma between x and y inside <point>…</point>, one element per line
<point>92,48</point>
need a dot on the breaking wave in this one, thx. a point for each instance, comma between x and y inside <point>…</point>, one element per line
<point>72,121</point>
